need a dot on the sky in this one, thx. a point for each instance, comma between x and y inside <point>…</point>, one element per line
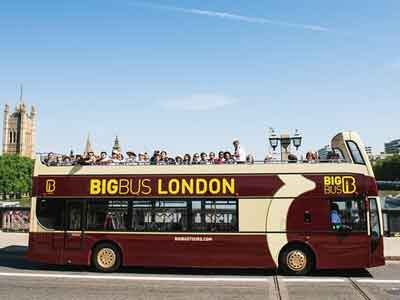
<point>190,76</point>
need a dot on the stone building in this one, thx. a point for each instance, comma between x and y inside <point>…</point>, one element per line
<point>19,131</point>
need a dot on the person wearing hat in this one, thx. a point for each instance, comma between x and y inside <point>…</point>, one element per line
<point>115,157</point>
<point>178,160</point>
<point>239,155</point>
<point>131,159</point>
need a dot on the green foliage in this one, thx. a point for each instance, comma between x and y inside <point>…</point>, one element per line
<point>388,169</point>
<point>15,174</point>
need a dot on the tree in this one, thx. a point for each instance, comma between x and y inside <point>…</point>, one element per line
<point>15,175</point>
<point>388,169</point>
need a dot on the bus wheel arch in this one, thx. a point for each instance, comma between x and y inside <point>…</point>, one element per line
<point>297,258</point>
<point>106,256</point>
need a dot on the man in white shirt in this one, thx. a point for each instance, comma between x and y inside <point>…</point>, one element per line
<point>239,153</point>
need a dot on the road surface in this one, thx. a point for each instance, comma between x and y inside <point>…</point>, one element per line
<point>20,279</point>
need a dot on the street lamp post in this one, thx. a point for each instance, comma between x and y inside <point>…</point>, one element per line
<point>285,140</point>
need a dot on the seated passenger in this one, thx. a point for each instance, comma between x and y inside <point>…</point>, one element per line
<point>220,159</point>
<point>250,159</point>
<point>131,159</point>
<point>178,160</point>
<point>90,159</point>
<point>59,160</point>
<point>78,160</point>
<point>66,161</point>
<point>142,159</point>
<point>103,159</point>
<point>335,217</point>
<point>292,158</point>
<point>211,158</point>
<point>115,158</point>
<point>203,158</point>
<point>51,160</point>
<point>196,159</point>
<point>187,159</point>
<point>157,159</point>
<point>164,157</point>
<point>311,156</point>
<point>228,158</point>
<point>268,158</point>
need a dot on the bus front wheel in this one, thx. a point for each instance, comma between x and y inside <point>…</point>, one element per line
<point>296,260</point>
<point>106,257</point>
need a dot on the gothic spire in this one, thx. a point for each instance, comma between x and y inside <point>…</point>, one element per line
<point>88,146</point>
<point>116,146</point>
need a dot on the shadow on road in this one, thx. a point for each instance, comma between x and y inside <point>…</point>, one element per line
<point>14,257</point>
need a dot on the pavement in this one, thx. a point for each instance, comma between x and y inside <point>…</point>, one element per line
<point>20,279</point>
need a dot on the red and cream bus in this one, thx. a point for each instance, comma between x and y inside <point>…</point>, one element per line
<point>216,216</point>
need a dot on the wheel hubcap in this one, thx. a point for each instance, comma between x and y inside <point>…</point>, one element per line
<point>296,260</point>
<point>106,258</point>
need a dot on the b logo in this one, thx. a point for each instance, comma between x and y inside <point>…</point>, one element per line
<point>339,185</point>
<point>349,184</point>
<point>50,186</point>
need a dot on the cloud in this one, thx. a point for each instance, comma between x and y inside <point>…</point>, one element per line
<point>233,17</point>
<point>198,102</point>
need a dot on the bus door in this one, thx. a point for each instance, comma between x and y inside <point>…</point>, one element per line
<point>376,246</point>
<point>349,244</point>
<point>74,224</point>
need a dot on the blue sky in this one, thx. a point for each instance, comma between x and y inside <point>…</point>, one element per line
<point>192,75</point>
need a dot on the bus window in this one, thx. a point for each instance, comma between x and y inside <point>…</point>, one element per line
<point>348,214</point>
<point>107,215</point>
<point>375,226</point>
<point>50,213</point>
<point>214,215</point>
<point>74,214</point>
<point>355,153</point>
<point>159,215</point>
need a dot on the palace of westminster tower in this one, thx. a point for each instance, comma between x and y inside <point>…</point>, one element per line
<point>19,131</point>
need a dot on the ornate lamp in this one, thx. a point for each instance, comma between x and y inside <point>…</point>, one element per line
<point>297,140</point>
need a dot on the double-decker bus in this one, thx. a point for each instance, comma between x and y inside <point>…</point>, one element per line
<point>293,216</point>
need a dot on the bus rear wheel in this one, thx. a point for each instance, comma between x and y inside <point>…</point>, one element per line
<point>106,257</point>
<point>296,260</point>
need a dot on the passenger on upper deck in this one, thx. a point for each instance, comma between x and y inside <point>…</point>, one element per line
<point>51,160</point>
<point>203,159</point>
<point>178,160</point>
<point>164,157</point>
<point>311,156</point>
<point>90,159</point>
<point>142,159</point>
<point>239,154</point>
<point>228,158</point>
<point>220,159</point>
<point>131,159</point>
<point>187,159</point>
<point>250,159</point>
<point>196,159</point>
<point>103,159</point>
<point>211,158</point>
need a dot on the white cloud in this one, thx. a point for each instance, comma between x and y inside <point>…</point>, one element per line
<point>234,17</point>
<point>198,102</point>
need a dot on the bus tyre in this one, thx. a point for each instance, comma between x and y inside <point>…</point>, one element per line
<point>106,257</point>
<point>296,260</point>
